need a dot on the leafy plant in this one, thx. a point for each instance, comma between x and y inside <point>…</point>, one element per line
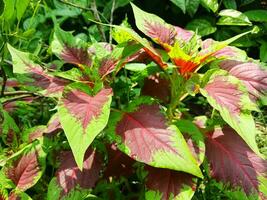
<point>125,110</point>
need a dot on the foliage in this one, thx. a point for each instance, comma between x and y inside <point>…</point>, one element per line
<point>103,111</point>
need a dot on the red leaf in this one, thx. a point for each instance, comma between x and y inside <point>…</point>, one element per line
<point>144,132</point>
<point>24,171</point>
<point>77,56</point>
<point>119,164</point>
<point>69,176</point>
<point>254,78</point>
<point>157,87</point>
<point>232,161</point>
<point>168,182</point>
<point>225,93</point>
<point>85,107</point>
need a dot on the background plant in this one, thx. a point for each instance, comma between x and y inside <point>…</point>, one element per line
<point>64,91</point>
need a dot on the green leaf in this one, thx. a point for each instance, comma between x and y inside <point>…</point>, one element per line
<point>233,17</point>
<point>9,9</point>
<point>83,116</point>
<point>211,4</point>
<point>136,67</point>
<point>230,4</point>
<point>192,6</point>
<point>180,4</point>
<point>21,7</point>
<point>202,26</point>
<point>257,15</point>
<point>263,52</point>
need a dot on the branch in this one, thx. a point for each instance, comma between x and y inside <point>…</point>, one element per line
<point>96,15</point>
<point>111,20</point>
<point>19,92</point>
<point>16,98</point>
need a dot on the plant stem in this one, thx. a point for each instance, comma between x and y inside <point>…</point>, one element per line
<point>111,20</point>
<point>17,98</point>
<point>96,15</point>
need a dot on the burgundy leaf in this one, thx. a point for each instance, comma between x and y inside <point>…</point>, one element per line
<point>144,132</point>
<point>232,161</point>
<point>252,75</point>
<point>69,176</point>
<point>157,87</point>
<point>85,107</point>
<point>77,56</point>
<point>168,182</point>
<point>225,93</point>
<point>119,164</point>
<point>24,170</point>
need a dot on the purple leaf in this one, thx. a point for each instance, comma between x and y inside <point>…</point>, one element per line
<point>69,175</point>
<point>169,183</point>
<point>232,161</point>
<point>252,75</point>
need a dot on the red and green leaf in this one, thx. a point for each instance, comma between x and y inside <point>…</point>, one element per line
<point>194,139</point>
<point>154,27</point>
<point>233,162</point>
<point>83,117</point>
<point>153,54</point>
<point>145,137</point>
<point>252,75</point>
<point>165,184</point>
<point>26,169</point>
<point>227,95</point>
<point>70,49</point>
<point>36,75</point>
